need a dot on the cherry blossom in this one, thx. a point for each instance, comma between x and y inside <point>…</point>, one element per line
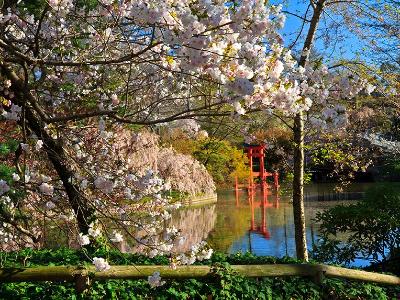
<point>379,140</point>
<point>117,237</point>
<point>38,145</point>
<point>91,71</point>
<point>94,230</point>
<point>24,147</point>
<point>106,186</point>
<point>15,177</point>
<point>101,264</point>
<point>50,205</point>
<point>13,114</point>
<point>46,189</point>
<point>83,239</point>
<point>4,187</point>
<point>155,280</point>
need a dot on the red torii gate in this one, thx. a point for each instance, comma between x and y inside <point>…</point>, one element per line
<point>257,151</point>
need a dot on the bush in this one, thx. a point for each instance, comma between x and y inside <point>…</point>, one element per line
<point>224,284</point>
<point>371,228</point>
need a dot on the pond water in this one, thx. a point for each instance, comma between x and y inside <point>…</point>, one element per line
<point>236,224</point>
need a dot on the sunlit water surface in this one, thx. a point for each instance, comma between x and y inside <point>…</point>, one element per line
<point>235,224</point>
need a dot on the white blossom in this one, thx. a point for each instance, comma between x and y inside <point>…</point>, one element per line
<point>13,114</point>
<point>277,70</point>
<point>46,189</point>
<point>83,239</point>
<point>117,237</point>
<point>103,184</point>
<point>94,230</point>
<point>84,184</point>
<point>153,253</point>
<point>369,88</point>
<point>39,145</point>
<point>7,83</point>
<point>50,205</point>
<point>4,188</point>
<point>16,177</point>
<point>204,254</point>
<point>24,147</point>
<point>114,99</point>
<point>155,280</point>
<point>101,264</point>
<point>102,125</point>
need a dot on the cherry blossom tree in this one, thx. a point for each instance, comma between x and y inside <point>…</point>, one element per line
<point>75,74</point>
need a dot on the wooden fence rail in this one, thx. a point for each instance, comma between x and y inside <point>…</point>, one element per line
<point>81,275</point>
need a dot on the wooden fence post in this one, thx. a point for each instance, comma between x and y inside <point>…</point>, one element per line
<point>318,277</point>
<point>82,281</point>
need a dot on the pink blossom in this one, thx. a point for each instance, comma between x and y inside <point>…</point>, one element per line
<point>4,188</point>
<point>155,280</point>
<point>46,189</point>
<point>83,239</point>
<point>114,99</point>
<point>103,184</point>
<point>101,264</point>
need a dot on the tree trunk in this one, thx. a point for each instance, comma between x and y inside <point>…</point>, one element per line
<point>56,154</point>
<point>298,164</point>
<point>298,194</point>
<point>53,147</point>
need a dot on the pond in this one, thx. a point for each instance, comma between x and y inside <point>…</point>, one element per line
<point>236,224</point>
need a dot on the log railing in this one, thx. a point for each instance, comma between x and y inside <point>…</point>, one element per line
<point>83,275</point>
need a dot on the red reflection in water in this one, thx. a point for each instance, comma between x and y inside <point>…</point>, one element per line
<point>262,203</point>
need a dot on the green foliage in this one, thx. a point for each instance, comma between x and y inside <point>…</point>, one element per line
<point>391,169</point>
<point>306,179</point>
<point>337,159</point>
<point>88,4</point>
<point>6,172</point>
<point>8,146</point>
<point>223,284</point>
<point>33,6</point>
<point>371,227</point>
<point>222,160</point>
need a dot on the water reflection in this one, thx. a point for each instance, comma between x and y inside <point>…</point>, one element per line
<point>261,223</point>
<point>195,224</point>
<point>269,228</point>
<point>263,204</point>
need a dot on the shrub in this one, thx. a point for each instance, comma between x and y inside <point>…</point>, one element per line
<point>223,284</point>
<point>371,228</point>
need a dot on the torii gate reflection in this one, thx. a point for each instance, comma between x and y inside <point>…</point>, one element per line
<point>264,204</point>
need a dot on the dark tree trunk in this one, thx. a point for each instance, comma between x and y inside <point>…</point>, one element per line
<point>56,155</point>
<point>55,152</point>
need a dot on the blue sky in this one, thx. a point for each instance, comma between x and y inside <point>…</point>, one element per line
<point>346,48</point>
